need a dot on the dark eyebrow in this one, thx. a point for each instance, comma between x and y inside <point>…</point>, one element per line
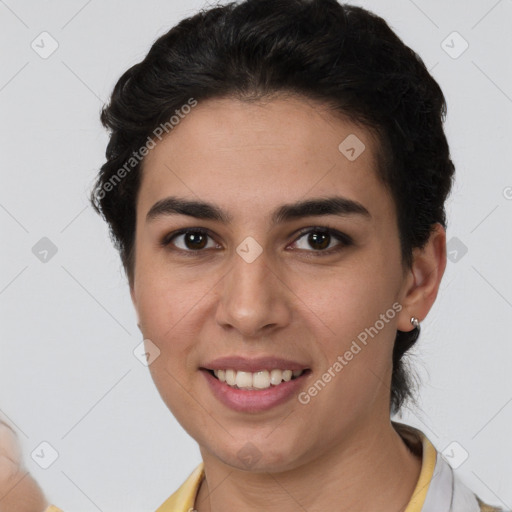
<point>198,209</point>
<point>335,205</point>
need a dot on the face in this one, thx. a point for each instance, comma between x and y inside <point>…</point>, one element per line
<point>295,258</point>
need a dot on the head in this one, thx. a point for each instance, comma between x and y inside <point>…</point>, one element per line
<point>253,108</point>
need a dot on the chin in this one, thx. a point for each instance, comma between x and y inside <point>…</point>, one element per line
<point>257,458</point>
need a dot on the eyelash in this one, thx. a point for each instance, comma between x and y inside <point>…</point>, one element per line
<point>345,240</point>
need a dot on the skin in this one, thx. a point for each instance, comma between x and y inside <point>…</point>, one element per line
<point>249,159</point>
<point>291,302</point>
<point>19,492</point>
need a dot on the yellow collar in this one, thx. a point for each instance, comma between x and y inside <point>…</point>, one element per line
<point>183,499</point>
<point>413,437</point>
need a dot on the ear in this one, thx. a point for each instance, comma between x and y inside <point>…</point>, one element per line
<point>423,279</point>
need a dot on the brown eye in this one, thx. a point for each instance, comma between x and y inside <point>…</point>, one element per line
<point>322,240</point>
<point>189,240</point>
<point>319,240</point>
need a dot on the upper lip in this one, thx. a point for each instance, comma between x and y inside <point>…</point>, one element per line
<point>253,364</point>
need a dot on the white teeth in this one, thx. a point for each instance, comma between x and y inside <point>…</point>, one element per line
<point>231,377</point>
<point>261,380</point>
<point>276,376</point>
<point>258,380</point>
<point>244,379</point>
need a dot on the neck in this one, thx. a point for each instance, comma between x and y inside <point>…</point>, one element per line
<point>374,471</point>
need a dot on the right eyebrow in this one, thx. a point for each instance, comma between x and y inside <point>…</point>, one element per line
<point>199,209</point>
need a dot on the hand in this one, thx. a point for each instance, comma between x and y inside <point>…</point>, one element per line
<point>19,492</point>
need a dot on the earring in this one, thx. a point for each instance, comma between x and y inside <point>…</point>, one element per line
<point>415,322</point>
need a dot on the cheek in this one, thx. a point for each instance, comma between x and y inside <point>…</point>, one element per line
<point>168,298</point>
<point>355,322</point>
<point>348,300</point>
<point>354,376</point>
<point>188,408</point>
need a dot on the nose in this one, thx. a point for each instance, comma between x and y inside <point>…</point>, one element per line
<point>254,299</point>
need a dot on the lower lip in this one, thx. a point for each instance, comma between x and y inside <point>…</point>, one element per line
<point>254,400</point>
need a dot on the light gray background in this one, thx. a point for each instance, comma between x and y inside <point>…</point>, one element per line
<point>67,372</point>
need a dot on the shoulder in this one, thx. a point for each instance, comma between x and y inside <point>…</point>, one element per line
<point>487,508</point>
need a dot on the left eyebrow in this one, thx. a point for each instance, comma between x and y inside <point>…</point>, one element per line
<point>335,205</point>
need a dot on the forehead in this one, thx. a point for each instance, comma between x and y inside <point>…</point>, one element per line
<point>260,154</point>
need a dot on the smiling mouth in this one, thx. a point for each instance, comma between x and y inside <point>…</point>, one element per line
<point>263,379</point>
